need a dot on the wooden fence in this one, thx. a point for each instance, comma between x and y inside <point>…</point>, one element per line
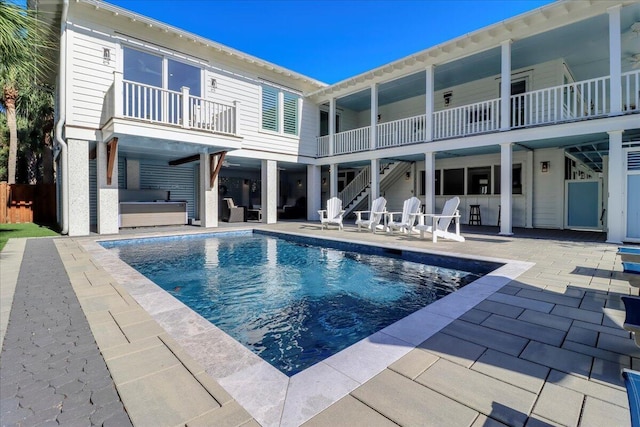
<point>27,203</point>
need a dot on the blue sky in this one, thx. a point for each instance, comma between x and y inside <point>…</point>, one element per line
<point>330,40</point>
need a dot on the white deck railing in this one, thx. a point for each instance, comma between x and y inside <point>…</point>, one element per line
<point>127,99</point>
<point>212,116</point>
<point>631,91</point>
<point>573,101</point>
<point>151,103</point>
<point>323,146</point>
<point>352,141</point>
<point>569,102</point>
<point>467,120</point>
<point>401,132</point>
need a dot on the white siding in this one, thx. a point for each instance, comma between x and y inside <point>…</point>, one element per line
<point>90,77</point>
<point>548,189</point>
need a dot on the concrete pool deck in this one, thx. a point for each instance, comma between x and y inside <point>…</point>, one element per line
<point>545,348</point>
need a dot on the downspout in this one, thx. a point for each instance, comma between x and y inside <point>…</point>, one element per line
<point>62,108</point>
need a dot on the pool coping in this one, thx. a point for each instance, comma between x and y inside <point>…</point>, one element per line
<point>270,396</point>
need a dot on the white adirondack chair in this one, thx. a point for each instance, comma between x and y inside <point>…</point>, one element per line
<point>372,222</point>
<point>333,213</point>
<point>404,220</point>
<point>438,225</point>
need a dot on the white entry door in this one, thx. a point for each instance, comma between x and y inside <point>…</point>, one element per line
<point>632,213</point>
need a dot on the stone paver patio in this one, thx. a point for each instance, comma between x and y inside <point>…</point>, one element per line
<point>545,349</point>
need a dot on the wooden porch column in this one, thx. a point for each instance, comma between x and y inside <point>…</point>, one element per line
<point>373,131</point>
<point>505,87</point>
<point>506,172</point>
<point>615,60</point>
<point>615,201</point>
<point>428,122</point>
<point>332,124</point>
<point>430,182</point>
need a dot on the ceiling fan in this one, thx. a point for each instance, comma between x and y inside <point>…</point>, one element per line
<point>227,164</point>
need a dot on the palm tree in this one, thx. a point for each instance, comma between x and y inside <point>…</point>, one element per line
<point>22,44</point>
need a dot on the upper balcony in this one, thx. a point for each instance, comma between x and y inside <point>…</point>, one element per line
<point>142,112</point>
<point>570,102</point>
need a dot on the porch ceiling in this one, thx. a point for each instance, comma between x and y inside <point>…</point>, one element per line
<point>581,45</point>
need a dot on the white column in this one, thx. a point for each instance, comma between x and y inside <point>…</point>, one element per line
<point>333,180</point>
<point>332,124</point>
<point>615,60</point>
<point>429,182</point>
<point>506,165</point>
<point>375,180</point>
<point>78,158</point>
<point>428,123</point>
<point>186,114</point>
<point>108,203</point>
<point>208,200</point>
<point>314,192</point>
<point>373,135</point>
<point>615,200</point>
<point>528,182</point>
<point>505,87</point>
<point>269,191</point>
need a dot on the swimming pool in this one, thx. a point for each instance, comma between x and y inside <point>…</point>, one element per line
<point>295,301</point>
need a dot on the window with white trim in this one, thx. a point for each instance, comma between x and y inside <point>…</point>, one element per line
<point>280,111</point>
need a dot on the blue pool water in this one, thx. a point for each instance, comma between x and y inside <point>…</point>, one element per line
<point>292,302</point>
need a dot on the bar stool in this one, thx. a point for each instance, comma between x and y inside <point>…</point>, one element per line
<point>474,215</point>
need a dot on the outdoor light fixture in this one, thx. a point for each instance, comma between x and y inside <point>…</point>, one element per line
<point>324,181</point>
<point>214,85</point>
<point>407,175</point>
<point>299,183</point>
<point>447,98</point>
<point>106,56</point>
<point>544,166</point>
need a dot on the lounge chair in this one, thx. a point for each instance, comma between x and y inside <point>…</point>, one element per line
<point>632,318</point>
<point>438,225</point>
<point>372,222</point>
<point>333,213</point>
<point>231,212</point>
<point>404,220</point>
<point>632,383</point>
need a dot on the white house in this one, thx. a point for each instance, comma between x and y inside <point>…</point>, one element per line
<point>534,119</point>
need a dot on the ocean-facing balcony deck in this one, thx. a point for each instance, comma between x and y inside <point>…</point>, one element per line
<point>582,100</point>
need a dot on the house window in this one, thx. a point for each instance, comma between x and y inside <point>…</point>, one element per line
<point>270,108</point>
<point>290,112</point>
<point>142,67</point>
<point>479,180</point>
<point>516,179</point>
<point>280,111</point>
<point>423,180</point>
<point>453,182</point>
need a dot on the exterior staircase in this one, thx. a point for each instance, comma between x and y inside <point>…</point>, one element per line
<point>355,195</point>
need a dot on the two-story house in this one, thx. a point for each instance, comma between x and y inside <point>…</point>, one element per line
<point>534,119</point>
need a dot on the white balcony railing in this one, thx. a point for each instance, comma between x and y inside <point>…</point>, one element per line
<point>352,141</point>
<point>212,116</point>
<point>132,100</point>
<point>467,120</point>
<point>631,91</point>
<point>573,101</point>
<point>570,102</point>
<point>401,132</point>
<point>323,146</point>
